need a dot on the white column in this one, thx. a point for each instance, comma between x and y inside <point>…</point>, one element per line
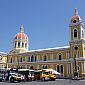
<point>24,44</point>
<point>20,43</point>
<point>16,44</point>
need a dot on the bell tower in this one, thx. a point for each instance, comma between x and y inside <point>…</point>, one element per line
<point>77,41</point>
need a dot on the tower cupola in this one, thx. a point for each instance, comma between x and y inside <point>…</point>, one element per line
<point>76,27</point>
<point>75,19</point>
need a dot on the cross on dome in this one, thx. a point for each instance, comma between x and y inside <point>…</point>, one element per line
<point>22,29</point>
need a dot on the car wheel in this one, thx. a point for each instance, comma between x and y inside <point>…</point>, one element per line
<point>43,79</point>
<point>11,80</point>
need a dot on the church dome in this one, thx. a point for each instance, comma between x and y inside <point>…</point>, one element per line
<point>21,36</point>
<point>20,41</point>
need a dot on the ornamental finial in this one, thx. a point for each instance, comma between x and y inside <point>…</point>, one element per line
<point>75,11</point>
<point>22,28</point>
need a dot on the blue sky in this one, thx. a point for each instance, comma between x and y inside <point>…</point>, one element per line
<point>46,22</point>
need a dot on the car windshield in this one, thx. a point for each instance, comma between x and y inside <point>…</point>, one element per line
<point>13,74</point>
<point>46,73</point>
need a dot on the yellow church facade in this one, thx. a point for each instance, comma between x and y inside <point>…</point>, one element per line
<point>68,60</point>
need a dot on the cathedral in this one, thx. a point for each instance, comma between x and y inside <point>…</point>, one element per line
<point>68,60</point>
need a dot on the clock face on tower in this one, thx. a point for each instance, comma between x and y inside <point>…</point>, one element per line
<point>76,48</point>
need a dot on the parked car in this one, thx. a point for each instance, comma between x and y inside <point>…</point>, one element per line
<point>1,78</point>
<point>15,77</point>
<point>29,74</point>
<point>45,74</point>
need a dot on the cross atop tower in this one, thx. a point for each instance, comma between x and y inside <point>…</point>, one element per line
<point>75,11</point>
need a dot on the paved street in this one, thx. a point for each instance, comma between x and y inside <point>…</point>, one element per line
<point>57,82</point>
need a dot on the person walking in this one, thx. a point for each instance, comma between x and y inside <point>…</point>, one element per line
<point>23,78</point>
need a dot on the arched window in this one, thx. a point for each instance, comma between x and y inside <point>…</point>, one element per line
<point>44,66</point>
<point>11,60</point>
<point>59,56</point>
<point>61,68</point>
<point>32,58</point>
<point>18,44</point>
<point>45,58</point>
<point>21,59</point>
<point>75,33</point>
<point>58,68</point>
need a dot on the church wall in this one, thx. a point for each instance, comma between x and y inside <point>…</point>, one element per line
<point>52,58</point>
